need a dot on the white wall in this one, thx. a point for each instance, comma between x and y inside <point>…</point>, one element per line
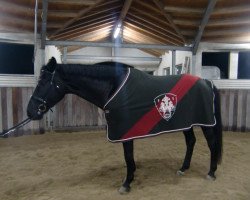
<point>42,57</point>
<point>134,57</point>
<point>52,51</point>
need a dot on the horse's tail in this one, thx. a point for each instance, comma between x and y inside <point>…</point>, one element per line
<point>218,127</point>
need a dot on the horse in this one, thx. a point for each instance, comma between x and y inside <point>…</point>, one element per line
<point>101,83</point>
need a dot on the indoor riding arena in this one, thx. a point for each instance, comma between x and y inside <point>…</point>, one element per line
<point>124,99</point>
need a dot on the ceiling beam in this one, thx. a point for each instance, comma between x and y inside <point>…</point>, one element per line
<point>7,28</point>
<point>81,29</point>
<point>215,22</point>
<point>103,7</point>
<point>144,36</point>
<point>175,9</point>
<point>75,2</point>
<point>237,39</point>
<point>160,5</point>
<point>206,16</point>
<point>123,14</point>
<point>151,21</point>
<point>87,23</point>
<point>18,21</point>
<point>152,34</point>
<point>60,13</point>
<point>148,6</point>
<point>24,10</point>
<point>85,32</point>
<point>231,10</point>
<point>187,22</point>
<point>8,5</point>
<point>94,36</point>
<point>228,32</point>
<point>229,21</point>
<point>125,9</point>
<point>223,10</point>
<point>156,30</point>
<point>79,15</point>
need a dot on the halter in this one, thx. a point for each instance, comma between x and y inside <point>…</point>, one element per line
<point>43,106</point>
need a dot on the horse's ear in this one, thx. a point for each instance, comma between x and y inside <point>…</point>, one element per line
<point>51,66</point>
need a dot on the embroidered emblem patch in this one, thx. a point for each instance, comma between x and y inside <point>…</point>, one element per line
<point>166,105</point>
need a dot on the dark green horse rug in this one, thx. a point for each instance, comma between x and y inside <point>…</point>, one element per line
<point>146,105</point>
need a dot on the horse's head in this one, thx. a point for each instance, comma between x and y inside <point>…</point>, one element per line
<point>49,90</point>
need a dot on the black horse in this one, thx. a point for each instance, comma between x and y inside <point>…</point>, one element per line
<point>98,84</point>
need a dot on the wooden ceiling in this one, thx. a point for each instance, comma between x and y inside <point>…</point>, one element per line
<point>167,22</point>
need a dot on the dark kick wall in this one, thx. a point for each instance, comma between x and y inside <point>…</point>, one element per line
<point>16,59</point>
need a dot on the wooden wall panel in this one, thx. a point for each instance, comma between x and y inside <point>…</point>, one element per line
<point>73,111</point>
<point>76,113</point>
<point>247,121</point>
<point>13,105</point>
<point>1,111</point>
<point>235,109</point>
<point>4,108</point>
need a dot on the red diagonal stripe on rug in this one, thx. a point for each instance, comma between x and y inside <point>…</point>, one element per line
<point>151,118</point>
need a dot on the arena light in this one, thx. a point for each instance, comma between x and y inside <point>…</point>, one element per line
<point>117,31</point>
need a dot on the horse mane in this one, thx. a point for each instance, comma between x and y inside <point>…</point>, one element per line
<point>114,64</point>
<point>104,69</point>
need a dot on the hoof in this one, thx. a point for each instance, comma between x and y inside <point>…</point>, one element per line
<point>124,190</point>
<point>180,173</point>
<point>211,178</point>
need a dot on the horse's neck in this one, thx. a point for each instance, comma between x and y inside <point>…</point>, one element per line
<point>94,83</point>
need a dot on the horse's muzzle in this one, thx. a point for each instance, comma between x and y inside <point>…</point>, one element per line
<point>35,114</point>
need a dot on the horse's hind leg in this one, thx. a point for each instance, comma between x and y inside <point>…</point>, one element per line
<point>190,142</point>
<point>211,141</point>
<point>131,167</point>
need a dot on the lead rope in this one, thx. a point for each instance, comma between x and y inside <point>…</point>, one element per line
<point>6,133</point>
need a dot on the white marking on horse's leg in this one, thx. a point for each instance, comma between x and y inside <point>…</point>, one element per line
<point>124,190</point>
<point>210,178</point>
<point>180,173</point>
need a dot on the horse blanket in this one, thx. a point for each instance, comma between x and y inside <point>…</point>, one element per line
<point>146,105</point>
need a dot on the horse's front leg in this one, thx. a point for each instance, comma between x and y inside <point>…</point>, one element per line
<point>131,167</point>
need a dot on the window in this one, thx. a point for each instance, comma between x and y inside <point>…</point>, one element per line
<point>16,58</point>
<point>218,59</point>
<point>244,65</point>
